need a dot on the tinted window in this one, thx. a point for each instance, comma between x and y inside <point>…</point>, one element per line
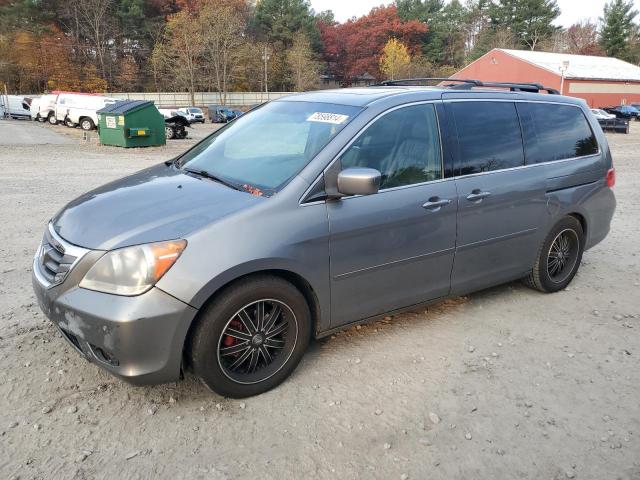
<point>489,136</point>
<point>555,132</point>
<point>403,145</point>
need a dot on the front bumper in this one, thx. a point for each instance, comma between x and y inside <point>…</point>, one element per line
<point>139,339</point>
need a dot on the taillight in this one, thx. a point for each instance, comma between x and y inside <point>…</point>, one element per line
<point>611,177</point>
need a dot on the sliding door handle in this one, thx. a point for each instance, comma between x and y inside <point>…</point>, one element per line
<point>478,195</point>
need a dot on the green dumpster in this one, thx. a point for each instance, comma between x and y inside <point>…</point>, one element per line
<point>131,123</point>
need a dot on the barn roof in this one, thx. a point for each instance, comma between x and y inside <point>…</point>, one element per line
<point>580,66</point>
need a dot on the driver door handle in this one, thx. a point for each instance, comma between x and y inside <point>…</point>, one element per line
<point>477,195</point>
<point>436,203</point>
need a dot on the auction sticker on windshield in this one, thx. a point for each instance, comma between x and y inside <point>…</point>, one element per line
<point>324,117</point>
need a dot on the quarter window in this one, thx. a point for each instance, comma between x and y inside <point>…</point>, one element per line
<point>489,136</point>
<point>555,132</point>
<point>403,145</point>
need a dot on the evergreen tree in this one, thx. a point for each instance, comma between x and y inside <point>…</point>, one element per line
<point>529,20</point>
<point>618,29</point>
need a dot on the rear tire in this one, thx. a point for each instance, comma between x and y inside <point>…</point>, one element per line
<point>559,257</point>
<point>241,322</point>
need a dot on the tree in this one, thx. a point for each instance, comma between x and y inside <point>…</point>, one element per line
<point>529,20</point>
<point>179,56</point>
<point>302,63</point>
<point>582,39</point>
<point>395,59</point>
<point>352,49</point>
<point>277,22</point>
<point>618,29</point>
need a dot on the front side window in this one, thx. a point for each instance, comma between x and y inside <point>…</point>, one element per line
<point>555,132</point>
<point>489,136</point>
<point>262,150</point>
<point>403,145</point>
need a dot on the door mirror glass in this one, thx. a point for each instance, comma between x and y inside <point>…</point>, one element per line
<point>359,181</point>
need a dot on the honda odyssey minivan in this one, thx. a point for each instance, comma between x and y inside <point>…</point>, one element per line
<point>316,212</point>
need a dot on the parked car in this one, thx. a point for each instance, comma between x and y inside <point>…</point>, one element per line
<point>176,127</point>
<point>193,114</point>
<point>316,212</point>
<point>601,114</point>
<point>219,114</point>
<point>609,122</point>
<point>237,113</point>
<point>14,106</point>
<point>624,111</point>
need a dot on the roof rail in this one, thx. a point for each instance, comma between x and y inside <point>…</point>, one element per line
<point>410,81</point>
<point>467,84</point>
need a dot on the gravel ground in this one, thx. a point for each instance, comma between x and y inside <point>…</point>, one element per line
<point>504,383</point>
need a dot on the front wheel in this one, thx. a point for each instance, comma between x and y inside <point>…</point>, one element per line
<point>86,124</point>
<point>559,257</point>
<point>52,119</point>
<point>251,337</point>
<point>69,123</point>
<point>169,133</point>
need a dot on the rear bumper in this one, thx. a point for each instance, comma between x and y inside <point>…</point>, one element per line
<point>139,339</point>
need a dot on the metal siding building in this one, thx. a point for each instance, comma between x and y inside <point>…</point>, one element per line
<point>601,81</point>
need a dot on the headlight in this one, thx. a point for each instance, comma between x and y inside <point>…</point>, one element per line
<point>132,270</point>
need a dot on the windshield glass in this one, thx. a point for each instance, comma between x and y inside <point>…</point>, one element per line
<point>194,110</point>
<point>262,150</point>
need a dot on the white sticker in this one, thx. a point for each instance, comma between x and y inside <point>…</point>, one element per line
<point>323,117</point>
<point>111,122</point>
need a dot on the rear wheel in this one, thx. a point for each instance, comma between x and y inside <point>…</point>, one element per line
<point>252,337</point>
<point>559,257</point>
<point>87,124</point>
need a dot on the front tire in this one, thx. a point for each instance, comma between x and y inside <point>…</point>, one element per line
<point>87,124</point>
<point>559,257</point>
<point>251,337</point>
<point>169,133</point>
<point>52,119</point>
<point>69,123</point>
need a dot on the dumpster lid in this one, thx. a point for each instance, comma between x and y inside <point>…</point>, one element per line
<point>125,106</point>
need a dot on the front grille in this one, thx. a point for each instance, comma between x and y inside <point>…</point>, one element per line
<point>55,263</point>
<point>55,258</point>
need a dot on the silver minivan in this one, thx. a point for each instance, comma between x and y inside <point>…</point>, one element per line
<point>316,212</point>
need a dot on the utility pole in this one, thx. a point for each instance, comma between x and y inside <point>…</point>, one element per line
<point>6,112</point>
<point>265,58</point>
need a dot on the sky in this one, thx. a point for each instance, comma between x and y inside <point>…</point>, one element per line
<point>572,10</point>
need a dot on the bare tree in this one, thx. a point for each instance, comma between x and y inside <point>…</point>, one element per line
<point>221,25</point>
<point>582,38</point>
<point>305,69</point>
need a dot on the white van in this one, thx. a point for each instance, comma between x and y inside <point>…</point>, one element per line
<point>14,106</point>
<point>75,109</point>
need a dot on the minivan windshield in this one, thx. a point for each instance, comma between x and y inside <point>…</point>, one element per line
<point>262,150</point>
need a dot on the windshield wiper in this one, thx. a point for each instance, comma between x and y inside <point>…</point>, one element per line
<point>210,176</point>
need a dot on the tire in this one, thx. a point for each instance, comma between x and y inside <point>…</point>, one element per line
<point>169,133</point>
<point>69,123</point>
<point>214,352</point>
<point>87,124</point>
<point>52,119</point>
<point>556,265</point>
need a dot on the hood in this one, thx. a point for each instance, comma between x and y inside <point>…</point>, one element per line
<point>156,204</point>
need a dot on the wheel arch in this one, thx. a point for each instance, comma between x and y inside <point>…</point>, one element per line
<point>297,280</point>
<point>582,219</point>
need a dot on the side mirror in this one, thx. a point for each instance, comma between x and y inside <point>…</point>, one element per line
<point>359,181</point>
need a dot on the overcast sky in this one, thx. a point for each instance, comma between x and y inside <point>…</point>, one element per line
<point>572,10</point>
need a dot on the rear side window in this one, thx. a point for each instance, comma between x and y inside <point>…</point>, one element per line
<point>555,132</point>
<point>489,136</point>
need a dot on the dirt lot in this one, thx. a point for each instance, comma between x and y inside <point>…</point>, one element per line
<point>505,383</point>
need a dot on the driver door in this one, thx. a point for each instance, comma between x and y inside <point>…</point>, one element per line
<point>395,248</point>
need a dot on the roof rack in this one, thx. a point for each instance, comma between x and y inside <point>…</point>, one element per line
<point>467,84</point>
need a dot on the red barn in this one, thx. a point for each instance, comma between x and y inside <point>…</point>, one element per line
<point>601,81</point>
